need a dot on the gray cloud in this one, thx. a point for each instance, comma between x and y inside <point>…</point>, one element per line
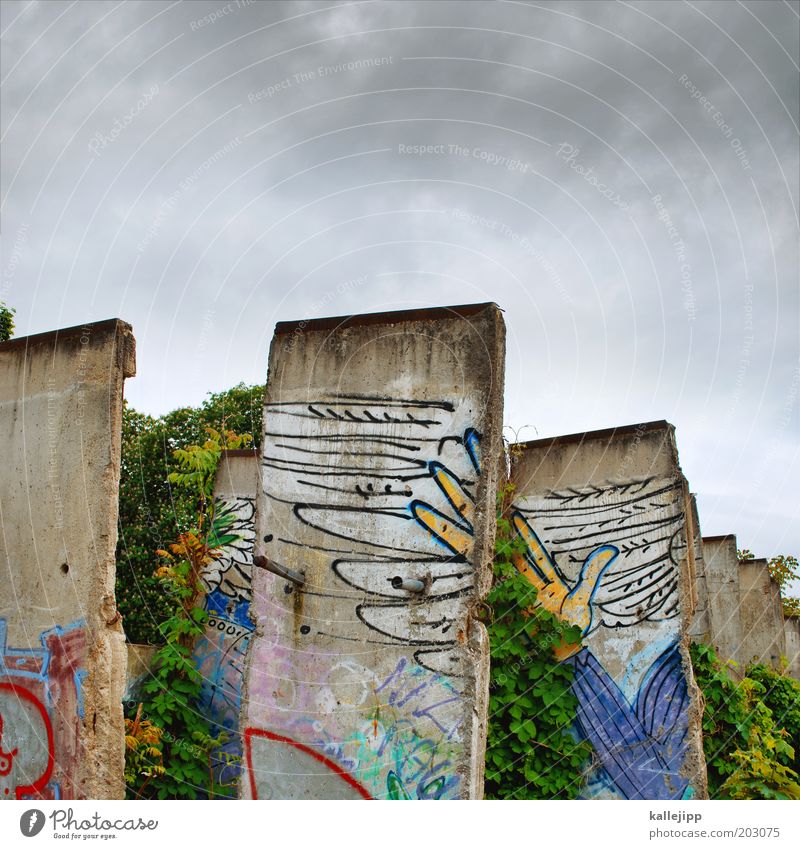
<point>184,172</point>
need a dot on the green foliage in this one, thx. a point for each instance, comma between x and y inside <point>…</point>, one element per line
<point>189,751</point>
<point>784,569</point>
<point>6,322</point>
<point>144,759</point>
<point>782,697</point>
<point>152,510</point>
<point>748,753</point>
<point>198,463</point>
<point>532,752</point>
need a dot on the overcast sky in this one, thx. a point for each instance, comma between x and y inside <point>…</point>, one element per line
<point>621,178</point>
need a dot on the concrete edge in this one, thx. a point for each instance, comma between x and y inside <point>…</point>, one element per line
<point>109,325</point>
<point>606,433</point>
<point>340,322</point>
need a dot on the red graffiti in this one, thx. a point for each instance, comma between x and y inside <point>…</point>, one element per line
<point>22,694</point>
<point>6,758</point>
<point>249,733</point>
<point>51,676</point>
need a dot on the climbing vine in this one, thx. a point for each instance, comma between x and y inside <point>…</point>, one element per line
<point>532,752</point>
<point>172,751</point>
<point>748,752</point>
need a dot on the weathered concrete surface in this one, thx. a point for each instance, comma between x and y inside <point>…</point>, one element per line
<point>220,654</point>
<point>761,614</point>
<point>62,649</point>
<point>700,629</point>
<point>375,427</point>
<point>607,521</point>
<point>724,599</point>
<point>791,633</point>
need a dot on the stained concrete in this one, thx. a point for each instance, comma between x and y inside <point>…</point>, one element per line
<point>380,461</point>
<point>62,650</point>
<point>791,634</point>
<point>700,629</point>
<point>761,614</point>
<point>724,599</point>
<point>611,546</point>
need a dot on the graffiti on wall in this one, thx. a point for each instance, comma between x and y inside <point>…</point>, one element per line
<point>41,706</point>
<point>607,558</point>
<point>351,668</point>
<point>220,653</point>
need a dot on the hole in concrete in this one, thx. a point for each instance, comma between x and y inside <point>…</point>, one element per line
<point>64,568</point>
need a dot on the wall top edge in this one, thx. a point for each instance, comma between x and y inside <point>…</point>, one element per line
<point>66,334</point>
<point>341,322</point>
<point>624,430</point>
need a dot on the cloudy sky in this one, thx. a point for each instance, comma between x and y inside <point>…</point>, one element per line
<point>621,178</point>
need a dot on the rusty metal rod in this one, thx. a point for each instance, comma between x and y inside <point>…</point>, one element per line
<point>278,569</point>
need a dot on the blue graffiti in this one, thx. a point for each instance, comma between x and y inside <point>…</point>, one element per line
<point>641,746</point>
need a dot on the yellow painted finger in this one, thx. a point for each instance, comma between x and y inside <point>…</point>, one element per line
<point>578,607</point>
<point>454,492</point>
<point>538,552</point>
<point>453,536</point>
<point>521,562</point>
<point>592,570</point>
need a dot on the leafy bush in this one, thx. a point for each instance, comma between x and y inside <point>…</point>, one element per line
<point>782,697</point>
<point>6,322</point>
<point>532,752</point>
<point>152,511</point>
<point>144,759</point>
<point>747,752</point>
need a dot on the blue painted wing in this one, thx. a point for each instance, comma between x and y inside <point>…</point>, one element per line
<point>662,706</point>
<point>640,765</point>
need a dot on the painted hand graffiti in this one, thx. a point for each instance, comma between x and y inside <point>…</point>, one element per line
<point>573,604</point>
<point>641,745</point>
<point>624,542</point>
<point>643,520</point>
<point>453,531</point>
